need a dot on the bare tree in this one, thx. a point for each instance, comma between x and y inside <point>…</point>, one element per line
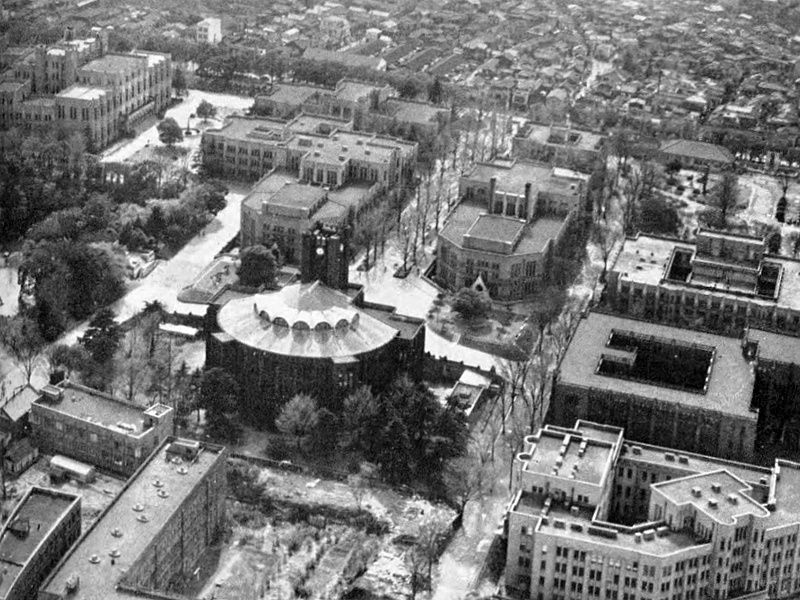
<point>604,236</point>
<point>406,233</point>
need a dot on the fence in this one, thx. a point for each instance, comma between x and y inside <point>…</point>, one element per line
<point>441,368</point>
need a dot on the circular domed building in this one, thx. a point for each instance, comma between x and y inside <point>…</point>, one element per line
<point>309,337</point>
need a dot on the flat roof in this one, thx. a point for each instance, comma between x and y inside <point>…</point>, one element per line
<point>644,259</point>
<point>98,580</point>
<point>511,175</point>
<point>730,381</point>
<point>266,187</point>
<point>657,546</point>
<point>293,94</point>
<point>538,233</point>
<point>39,512</point>
<point>775,346</point>
<point>304,123</point>
<point>496,228</point>
<point>353,91</point>
<point>114,63</point>
<point>296,195</point>
<point>724,506</point>
<point>415,112</point>
<point>787,491</point>
<point>569,454</point>
<point>98,408</point>
<point>251,129</point>
<point>586,140</point>
<point>82,92</point>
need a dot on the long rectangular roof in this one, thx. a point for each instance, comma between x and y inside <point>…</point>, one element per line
<point>130,524</point>
<point>644,258</point>
<point>38,513</point>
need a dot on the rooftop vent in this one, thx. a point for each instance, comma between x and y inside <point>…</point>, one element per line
<point>574,510</point>
<point>94,559</point>
<point>138,507</point>
<point>662,531</point>
<point>559,524</point>
<point>716,488</point>
<point>576,526</point>
<point>183,470</point>
<point>114,553</point>
<point>637,450</point>
<point>158,483</point>
<point>696,492</point>
<point>763,481</point>
<point>163,493</point>
<point>142,518</point>
<point>72,583</point>
<point>116,532</point>
<point>637,538</point>
<point>712,503</point>
<point>683,459</point>
<point>649,534</point>
<point>733,499</point>
<point>559,462</point>
<point>669,457</point>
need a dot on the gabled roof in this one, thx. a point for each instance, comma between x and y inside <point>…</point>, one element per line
<point>19,404</point>
<point>697,150</point>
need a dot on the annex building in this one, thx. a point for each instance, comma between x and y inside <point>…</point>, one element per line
<point>596,515</point>
<point>559,145</point>
<point>96,428</point>
<point>150,539</point>
<point>723,282</point>
<point>511,218</point>
<point>38,532</point>
<point>319,336</point>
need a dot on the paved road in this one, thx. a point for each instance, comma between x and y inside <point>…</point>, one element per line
<point>226,104</point>
<point>169,277</point>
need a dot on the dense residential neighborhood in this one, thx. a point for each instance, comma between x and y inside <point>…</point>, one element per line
<point>390,299</point>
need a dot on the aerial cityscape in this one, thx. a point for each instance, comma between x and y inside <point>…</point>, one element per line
<point>399,299</point>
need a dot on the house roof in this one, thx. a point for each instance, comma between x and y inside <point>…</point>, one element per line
<point>697,150</point>
<point>20,403</point>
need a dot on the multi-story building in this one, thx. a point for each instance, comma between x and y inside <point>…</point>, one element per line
<point>695,527</point>
<point>558,145</point>
<point>511,218</point>
<point>151,538</point>
<point>318,336</point>
<point>723,281</point>
<point>679,388</point>
<point>97,428</point>
<point>38,532</point>
<point>251,148</point>
<point>209,31</point>
<point>279,209</point>
<point>79,84</point>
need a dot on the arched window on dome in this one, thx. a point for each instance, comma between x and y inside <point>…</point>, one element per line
<point>342,324</point>
<point>301,325</point>
<point>280,322</point>
<point>323,326</point>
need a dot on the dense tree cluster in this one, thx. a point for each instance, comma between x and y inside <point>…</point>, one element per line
<point>68,280</point>
<point>406,431</point>
<point>42,171</point>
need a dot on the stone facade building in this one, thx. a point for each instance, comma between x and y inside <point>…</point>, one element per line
<point>723,282</point>
<point>558,145</point>
<point>697,527</point>
<point>318,336</point>
<point>279,209</point>
<point>95,427</point>
<point>250,148</point>
<point>38,532</point>
<point>509,222</point>
<point>155,532</point>
<point>79,84</point>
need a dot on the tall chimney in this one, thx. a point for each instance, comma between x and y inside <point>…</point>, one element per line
<point>526,206</point>
<point>492,186</point>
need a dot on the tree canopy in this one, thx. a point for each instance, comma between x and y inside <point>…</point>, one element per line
<point>470,304</point>
<point>258,267</point>
<point>169,132</point>
<point>206,110</point>
<point>298,418</point>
